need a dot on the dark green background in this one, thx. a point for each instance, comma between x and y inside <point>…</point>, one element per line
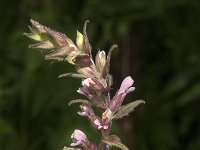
<point>158,46</point>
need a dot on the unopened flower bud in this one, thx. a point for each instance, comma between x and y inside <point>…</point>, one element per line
<point>82,60</point>
<point>100,60</point>
<point>71,57</point>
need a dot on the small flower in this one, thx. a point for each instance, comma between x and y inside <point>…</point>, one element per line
<point>105,121</point>
<point>79,138</point>
<point>126,85</point>
<point>84,91</point>
<point>92,97</point>
<point>87,82</point>
<point>107,115</point>
<point>99,123</point>
<point>125,88</point>
<point>86,111</point>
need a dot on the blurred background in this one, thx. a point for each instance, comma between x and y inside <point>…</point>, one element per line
<point>158,46</point>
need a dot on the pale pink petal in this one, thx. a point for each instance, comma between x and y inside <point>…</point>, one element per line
<point>126,84</point>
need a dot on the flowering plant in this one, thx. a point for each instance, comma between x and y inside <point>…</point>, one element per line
<point>96,84</point>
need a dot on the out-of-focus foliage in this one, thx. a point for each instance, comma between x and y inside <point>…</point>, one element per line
<point>158,46</point>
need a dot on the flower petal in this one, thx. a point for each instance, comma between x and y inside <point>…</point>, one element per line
<point>126,84</point>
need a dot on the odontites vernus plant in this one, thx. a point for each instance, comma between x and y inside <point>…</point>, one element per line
<point>96,83</point>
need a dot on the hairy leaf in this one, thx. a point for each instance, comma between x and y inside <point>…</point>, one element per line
<point>128,108</point>
<point>58,54</point>
<point>42,45</point>
<point>107,65</point>
<point>86,45</point>
<point>114,140</point>
<point>79,101</point>
<point>70,148</point>
<point>74,75</point>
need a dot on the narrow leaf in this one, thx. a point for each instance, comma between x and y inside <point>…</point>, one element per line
<point>79,101</point>
<point>74,75</point>
<point>42,45</point>
<point>128,108</point>
<point>86,45</point>
<point>114,140</point>
<point>60,38</point>
<point>70,148</point>
<point>107,65</point>
<point>35,37</point>
<point>59,54</point>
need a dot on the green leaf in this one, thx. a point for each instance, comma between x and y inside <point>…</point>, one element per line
<point>74,75</point>
<point>79,101</point>
<point>69,148</point>
<point>128,108</point>
<point>114,140</point>
<point>107,65</point>
<point>86,44</point>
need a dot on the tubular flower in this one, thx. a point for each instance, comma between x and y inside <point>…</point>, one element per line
<point>84,91</point>
<point>105,121</point>
<point>93,98</point>
<point>125,88</point>
<point>86,111</point>
<point>79,138</point>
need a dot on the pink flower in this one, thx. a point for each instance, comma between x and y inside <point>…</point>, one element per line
<point>86,111</point>
<point>105,121</point>
<point>79,138</point>
<point>125,88</point>
<point>92,97</point>
<point>126,85</point>
<point>84,91</point>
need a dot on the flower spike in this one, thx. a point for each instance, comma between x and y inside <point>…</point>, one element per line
<point>96,83</point>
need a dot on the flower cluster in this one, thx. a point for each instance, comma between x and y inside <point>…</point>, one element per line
<point>96,83</point>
